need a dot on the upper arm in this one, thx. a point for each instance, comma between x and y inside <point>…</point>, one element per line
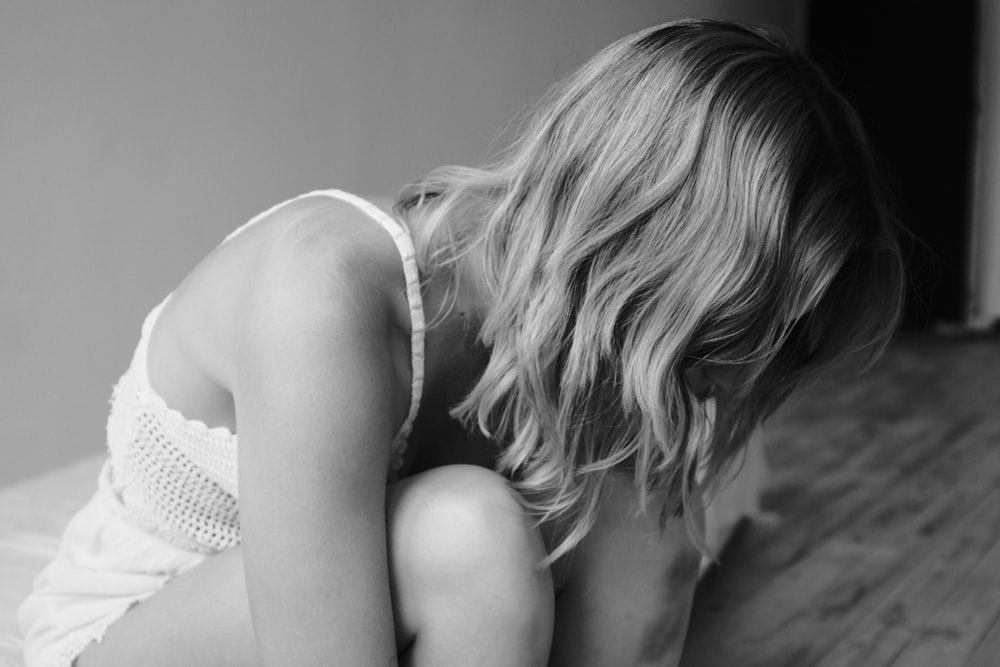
<point>314,390</point>
<point>628,592</point>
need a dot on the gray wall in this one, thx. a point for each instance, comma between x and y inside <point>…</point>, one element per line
<point>135,134</point>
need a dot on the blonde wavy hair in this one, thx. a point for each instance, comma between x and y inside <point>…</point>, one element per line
<point>697,193</point>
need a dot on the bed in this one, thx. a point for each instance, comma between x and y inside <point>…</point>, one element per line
<point>32,516</point>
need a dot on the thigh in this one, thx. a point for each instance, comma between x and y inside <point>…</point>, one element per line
<point>202,617</point>
<point>466,571</point>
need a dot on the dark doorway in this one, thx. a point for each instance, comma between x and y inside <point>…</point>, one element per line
<point>909,69</point>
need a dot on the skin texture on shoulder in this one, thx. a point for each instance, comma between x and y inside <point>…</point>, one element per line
<point>192,356</point>
<point>627,588</point>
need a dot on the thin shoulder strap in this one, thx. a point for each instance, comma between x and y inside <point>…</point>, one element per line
<point>404,244</point>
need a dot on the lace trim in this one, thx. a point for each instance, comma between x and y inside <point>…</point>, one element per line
<point>142,369</point>
<point>73,645</point>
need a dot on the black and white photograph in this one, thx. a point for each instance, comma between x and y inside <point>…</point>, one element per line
<point>500,333</point>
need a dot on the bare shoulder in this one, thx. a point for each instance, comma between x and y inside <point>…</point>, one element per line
<point>325,292</point>
<point>312,242</point>
<point>319,255</point>
<point>313,262</point>
<point>320,235</point>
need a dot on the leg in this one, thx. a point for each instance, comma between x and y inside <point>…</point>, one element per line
<point>465,588</point>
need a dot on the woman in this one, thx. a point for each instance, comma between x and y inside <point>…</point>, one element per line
<point>689,225</point>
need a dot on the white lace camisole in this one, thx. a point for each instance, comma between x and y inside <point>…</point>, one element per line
<point>177,477</point>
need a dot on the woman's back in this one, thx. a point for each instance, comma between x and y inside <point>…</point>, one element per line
<point>191,347</point>
<point>172,428</point>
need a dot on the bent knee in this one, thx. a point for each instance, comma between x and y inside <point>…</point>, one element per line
<point>464,516</point>
<point>461,531</point>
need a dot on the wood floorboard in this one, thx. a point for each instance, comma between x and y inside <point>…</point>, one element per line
<point>957,626</point>
<point>891,448</point>
<point>880,630</point>
<point>988,650</point>
<point>887,489</point>
<point>866,516</point>
<point>841,579</point>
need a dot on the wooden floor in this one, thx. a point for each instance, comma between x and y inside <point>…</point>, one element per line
<point>886,546</point>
